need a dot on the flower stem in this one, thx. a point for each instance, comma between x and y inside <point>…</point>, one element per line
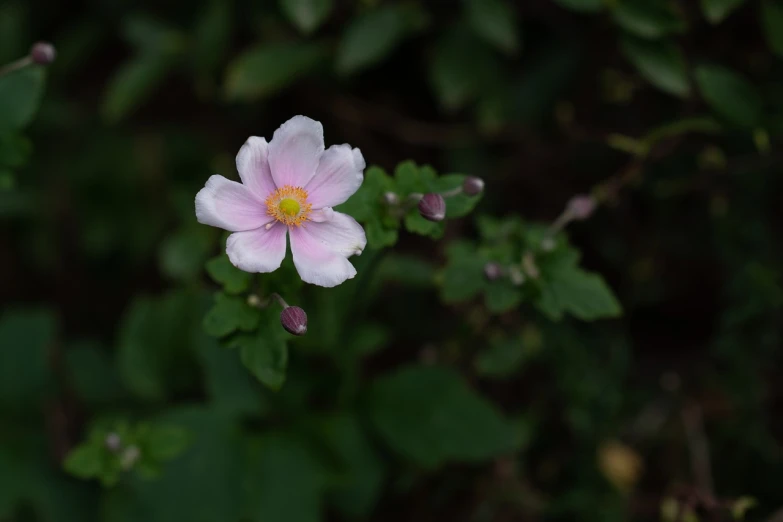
<point>21,63</point>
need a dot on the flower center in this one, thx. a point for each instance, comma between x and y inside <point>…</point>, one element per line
<point>289,205</point>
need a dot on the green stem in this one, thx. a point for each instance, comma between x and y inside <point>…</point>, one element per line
<point>15,66</point>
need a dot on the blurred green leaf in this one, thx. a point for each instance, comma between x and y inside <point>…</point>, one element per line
<point>501,296</point>
<point>26,337</point>
<point>306,15</point>
<point>660,62</point>
<point>730,95</point>
<point>716,10</point>
<point>648,18</point>
<point>133,84</point>
<point>151,36</point>
<point>495,22</point>
<point>284,482</point>
<point>430,416</point>
<point>501,359</point>
<point>182,254</point>
<point>85,461</point>
<point>165,441</point>
<point>91,373</point>
<point>15,150</point>
<point>568,288</point>
<point>20,95</point>
<point>229,314</point>
<point>211,36</point>
<point>265,354</point>
<point>361,471</point>
<point>264,70</point>
<point>741,506</point>
<point>234,280</point>
<point>771,17</point>
<point>463,277</point>
<point>587,6</point>
<point>372,36</point>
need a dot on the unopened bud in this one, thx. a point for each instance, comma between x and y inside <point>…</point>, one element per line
<point>493,271</point>
<point>472,186</point>
<point>390,198</point>
<point>294,320</point>
<point>581,207</point>
<point>113,442</point>
<point>43,53</point>
<point>129,457</point>
<point>254,301</point>
<point>432,207</point>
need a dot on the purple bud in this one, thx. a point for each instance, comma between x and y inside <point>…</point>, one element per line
<point>581,207</point>
<point>294,320</point>
<point>493,271</point>
<point>473,186</point>
<point>43,53</point>
<point>432,207</point>
<point>113,442</point>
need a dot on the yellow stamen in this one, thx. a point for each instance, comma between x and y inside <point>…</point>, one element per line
<point>289,205</point>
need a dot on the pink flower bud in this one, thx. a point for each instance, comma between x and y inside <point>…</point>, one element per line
<point>294,320</point>
<point>493,271</point>
<point>432,207</point>
<point>581,207</point>
<point>43,53</point>
<point>473,186</point>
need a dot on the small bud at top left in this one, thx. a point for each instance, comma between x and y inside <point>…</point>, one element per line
<point>43,53</point>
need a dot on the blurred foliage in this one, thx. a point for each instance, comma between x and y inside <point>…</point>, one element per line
<point>620,367</point>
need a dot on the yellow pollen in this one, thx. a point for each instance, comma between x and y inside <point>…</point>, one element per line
<point>289,205</point>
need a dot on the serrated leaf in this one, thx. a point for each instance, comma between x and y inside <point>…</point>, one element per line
<point>717,10</point>
<point>430,416</point>
<point>264,70</point>
<point>771,18</point>
<point>660,62</point>
<point>234,280</point>
<point>648,18</point>
<point>582,294</point>
<point>730,95</point>
<point>20,96</point>
<point>265,355</point>
<point>229,314</point>
<point>495,22</point>
<point>374,35</point>
<point>306,15</point>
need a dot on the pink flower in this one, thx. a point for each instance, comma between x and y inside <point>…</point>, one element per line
<point>289,186</point>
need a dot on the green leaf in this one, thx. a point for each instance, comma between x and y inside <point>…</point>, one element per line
<point>416,224</point>
<point>20,96</point>
<point>463,277</point>
<point>716,10</point>
<point>234,280</point>
<point>430,416</point>
<point>229,314</point>
<point>211,36</point>
<point>265,70</point>
<point>265,355</point>
<point>182,254</point>
<point>378,235</point>
<point>648,18</point>
<point>582,294</point>
<point>133,84</point>
<point>501,296</point>
<point>15,150</point>
<point>366,203</point>
<point>660,62</point>
<point>495,22</point>
<point>730,95</point>
<point>462,67</point>
<point>503,358</point>
<point>771,15</point>
<point>586,6</point>
<point>26,336</point>
<point>306,15</point>
<point>372,36</point>
<point>91,374</point>
<point>284,482</point>
<point>85,461</point>
<point>360,481</point>
<point>459,205</point>
<point>164,442</point>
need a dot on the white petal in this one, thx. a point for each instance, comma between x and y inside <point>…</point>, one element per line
<point>322,214</point>
<point>319,262</point>
<point>260,250</point>
<point>338,176</point>
<point>229,205</point>
<point>340,234</point>
<point>253,167</point>
<point>295,150</point>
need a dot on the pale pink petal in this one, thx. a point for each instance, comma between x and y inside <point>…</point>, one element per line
<point>295,150</point>
<point>341,234</point>
<point>338,176</point>
<point>230,205</point>
<point>322,214</point>
<point>259,250</point>
<point>319,262</point>
<point>253,167</point>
